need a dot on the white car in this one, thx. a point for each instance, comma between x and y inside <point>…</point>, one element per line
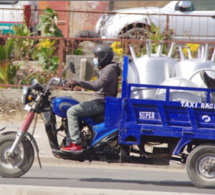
<point>194,21</point>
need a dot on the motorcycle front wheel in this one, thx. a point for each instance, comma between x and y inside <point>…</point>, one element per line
<point>22,160</point>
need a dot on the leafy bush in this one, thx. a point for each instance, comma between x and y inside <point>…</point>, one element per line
<point>44,53</point>
<point>117,48</point>
<point>48,25</point>
<point>156,36</point>
<point>193,49</point>
<point>22,46</point>
<point>7,69</point>
<point>45,50</point>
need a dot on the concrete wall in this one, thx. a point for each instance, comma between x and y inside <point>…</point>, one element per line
<point>85,69</point>
<point>81,63</point>
<point>130,4</point>
<point>85,21</point>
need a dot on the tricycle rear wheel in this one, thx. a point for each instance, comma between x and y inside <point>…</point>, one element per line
<point>22,160</point>
<point>201,166</point>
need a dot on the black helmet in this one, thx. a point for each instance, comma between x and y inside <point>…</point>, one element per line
<point>104,53</point>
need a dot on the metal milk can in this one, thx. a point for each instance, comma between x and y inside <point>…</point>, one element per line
<point>190,68</point>
<point>150,69</point>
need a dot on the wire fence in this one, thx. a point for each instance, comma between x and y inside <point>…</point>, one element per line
<point>42,57</point>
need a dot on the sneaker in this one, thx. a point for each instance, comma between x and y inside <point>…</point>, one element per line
<point>72,148</point>
<point>209,82</point>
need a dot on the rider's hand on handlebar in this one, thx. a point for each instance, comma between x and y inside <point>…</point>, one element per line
<point>70,84</point>
<point>63,82</point>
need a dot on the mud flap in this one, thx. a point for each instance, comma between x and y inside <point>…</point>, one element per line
<point>49,120</point>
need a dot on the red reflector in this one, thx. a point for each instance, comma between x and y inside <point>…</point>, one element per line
<point>27,15</point>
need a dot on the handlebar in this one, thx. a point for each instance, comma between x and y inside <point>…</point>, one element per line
<point>63,82</point>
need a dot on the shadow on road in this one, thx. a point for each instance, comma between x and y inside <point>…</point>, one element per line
<point>157,183</point>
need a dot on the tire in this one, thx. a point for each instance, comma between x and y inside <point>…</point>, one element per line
<point>86,34</point>
<point>21,162</point>
<point>134,33</point>
<point>201,166</point>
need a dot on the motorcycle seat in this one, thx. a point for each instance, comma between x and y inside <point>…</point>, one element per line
<point>99,118</point>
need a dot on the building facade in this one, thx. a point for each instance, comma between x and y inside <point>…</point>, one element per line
<point>71,21</point>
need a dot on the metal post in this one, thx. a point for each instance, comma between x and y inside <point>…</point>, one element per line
<point>60,56</point>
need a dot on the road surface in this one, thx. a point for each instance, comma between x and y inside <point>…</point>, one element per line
<point>157,179</point>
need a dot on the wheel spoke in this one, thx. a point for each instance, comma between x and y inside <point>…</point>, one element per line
<point>201,165</point>
<point>13,161</point>
<point>20,162</point>
<point>206,167</point>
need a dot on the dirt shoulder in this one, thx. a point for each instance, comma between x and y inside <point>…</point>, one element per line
<point>11,101</point>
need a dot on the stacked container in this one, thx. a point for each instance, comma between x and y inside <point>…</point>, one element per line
<point>158,69</point>
<point>150,69</point>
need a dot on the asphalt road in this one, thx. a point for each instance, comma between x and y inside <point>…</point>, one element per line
<point>159,180</point>
<point>67,177</point>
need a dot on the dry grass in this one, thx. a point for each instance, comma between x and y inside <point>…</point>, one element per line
<point>10,108</point>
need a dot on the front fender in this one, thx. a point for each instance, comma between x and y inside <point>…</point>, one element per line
<point>9,126</point>
<point>27,135</point>
<point>2,128</point>
<point>50,126</point>
<point>8,132</point>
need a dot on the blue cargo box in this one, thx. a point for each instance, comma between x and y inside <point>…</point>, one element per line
<point>185,120</point>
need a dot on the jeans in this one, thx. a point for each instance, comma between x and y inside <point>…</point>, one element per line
<point>84,109</point>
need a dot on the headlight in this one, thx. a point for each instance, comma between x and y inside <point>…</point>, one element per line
<point>27,95</point>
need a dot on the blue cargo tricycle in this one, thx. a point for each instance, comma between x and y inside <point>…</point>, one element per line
<point>133,130</point>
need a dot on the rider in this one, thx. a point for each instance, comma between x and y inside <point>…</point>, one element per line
<point>105,85</point>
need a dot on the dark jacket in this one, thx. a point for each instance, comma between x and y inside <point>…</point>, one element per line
<point>106,84</point>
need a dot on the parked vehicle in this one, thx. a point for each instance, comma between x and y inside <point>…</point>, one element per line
<point>15,12</point>
<point>186,128</point>
<point>193,21</point>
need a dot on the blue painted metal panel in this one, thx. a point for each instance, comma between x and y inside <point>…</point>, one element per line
<point>112,112</point>
<point>183,142</point>
<point>183,120</point>
<point>60,105</point>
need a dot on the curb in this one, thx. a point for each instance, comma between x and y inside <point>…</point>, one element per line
<point>35,190</point>
<point>62,162</point>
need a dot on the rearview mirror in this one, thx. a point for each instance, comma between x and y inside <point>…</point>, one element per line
<point>184,5</point>
<point>35,85</point>
<point>72,66</point>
